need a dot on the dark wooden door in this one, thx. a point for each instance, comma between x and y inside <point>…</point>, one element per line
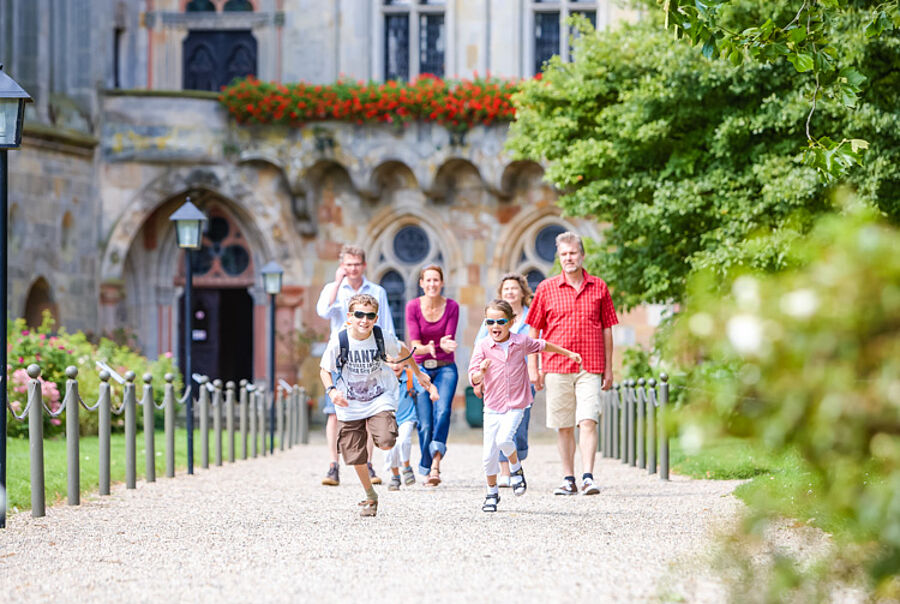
<point>222,334</point>
<point>213,58</point>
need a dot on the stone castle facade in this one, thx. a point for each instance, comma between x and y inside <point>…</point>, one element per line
<point>122,132</point>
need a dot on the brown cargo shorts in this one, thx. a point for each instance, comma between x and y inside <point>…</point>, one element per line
<point>352,436</point>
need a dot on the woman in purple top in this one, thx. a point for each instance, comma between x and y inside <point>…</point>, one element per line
<point>431,324</point>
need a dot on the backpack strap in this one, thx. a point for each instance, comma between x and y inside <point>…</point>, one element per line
<point>410,387</point>
<point>379,343</point>
<point>344,354</point>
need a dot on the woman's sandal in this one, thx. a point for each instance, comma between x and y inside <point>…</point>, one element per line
<point>490,502</point>
<point>434,478</point>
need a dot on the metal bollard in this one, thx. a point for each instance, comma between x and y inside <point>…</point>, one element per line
<point>149,430</point>
<point>262,397</point>
<point>217,419</point>
<point>130,432</point>
<point>244,395</point>
<point>303,417</point>
<point>203,406</point>
<point>626,422</point>
<point>289,408</point>
<point>651,427</point>
<point>169,405</point>
<point>103,411</point>
<point>252,413</point>
<point>641,406</point>
<point>614,420</point>
<point>73,462</point>
<point>279,415</point>
<point>663,429</point>
<point>229,418</point>
<point>36,440</point>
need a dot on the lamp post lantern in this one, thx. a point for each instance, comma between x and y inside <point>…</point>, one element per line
<point>12,116</point>
<point>189,231</point>
<point>272,274</point>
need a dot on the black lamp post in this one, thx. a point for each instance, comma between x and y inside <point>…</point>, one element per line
<point>189,231</point>
<point>12,115</point>
<point>272,274</point>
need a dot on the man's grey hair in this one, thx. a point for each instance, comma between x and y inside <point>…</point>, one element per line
<point>570,238</point>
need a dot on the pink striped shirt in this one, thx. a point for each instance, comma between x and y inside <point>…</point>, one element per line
<point>506,383</point>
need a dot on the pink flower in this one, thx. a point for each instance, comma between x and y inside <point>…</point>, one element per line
<point>42,337</point>
<point>168,355</point>
<point>37,357</point>
<point>62,347</point>
<point>21,360</point>
<point>55,421</point>
<point>25,332</point>
<point>16,405</point>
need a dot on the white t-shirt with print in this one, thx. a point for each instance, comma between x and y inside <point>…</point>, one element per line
<point>368,383</point>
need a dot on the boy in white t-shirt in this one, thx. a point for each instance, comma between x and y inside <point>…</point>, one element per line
<point>366,393</point>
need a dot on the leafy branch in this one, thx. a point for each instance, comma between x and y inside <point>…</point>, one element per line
<point>805,42</point>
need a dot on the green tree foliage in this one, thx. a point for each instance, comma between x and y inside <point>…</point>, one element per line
<point>817,357</point>
<point>809,37</point>
<point>695,163</point>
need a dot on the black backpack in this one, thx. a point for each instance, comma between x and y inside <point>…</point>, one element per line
<point>344,341</point>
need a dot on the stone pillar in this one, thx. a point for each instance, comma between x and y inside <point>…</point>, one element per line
<point>112,310</point>
<point>287,307</point>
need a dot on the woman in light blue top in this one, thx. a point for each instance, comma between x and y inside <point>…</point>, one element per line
<point>515,290</point>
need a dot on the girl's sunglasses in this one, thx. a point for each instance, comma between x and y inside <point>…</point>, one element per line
<point>369,315</point>
<point>490,322</point>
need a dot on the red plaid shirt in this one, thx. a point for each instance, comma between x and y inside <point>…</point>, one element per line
<point>574,320</point>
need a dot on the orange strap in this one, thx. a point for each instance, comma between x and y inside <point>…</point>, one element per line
<point>410,388</point>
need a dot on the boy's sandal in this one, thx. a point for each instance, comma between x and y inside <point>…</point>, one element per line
<point>434,478</point>
<point>490,503</point>
<point>368,508</point>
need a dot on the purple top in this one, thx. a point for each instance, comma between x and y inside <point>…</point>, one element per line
<point>418,328</point>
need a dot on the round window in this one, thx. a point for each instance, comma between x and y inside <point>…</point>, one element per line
<point>545,242</point>
<point>411,244</point>
<point>534,277</point>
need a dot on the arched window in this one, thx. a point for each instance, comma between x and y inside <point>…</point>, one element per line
<point>394,285</point>
<point>200,6</point>
<point>224,256</point>
<point>399,254</point>
<point>535,253</point>
<point>238,5</point>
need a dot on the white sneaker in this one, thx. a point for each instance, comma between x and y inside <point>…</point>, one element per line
<point>503,481</point>
<point>588,487</point>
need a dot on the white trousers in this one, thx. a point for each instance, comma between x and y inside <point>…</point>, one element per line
<point>499,435</point>
<point>400,452</point>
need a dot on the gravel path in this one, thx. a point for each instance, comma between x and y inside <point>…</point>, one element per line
<point>265,530</point>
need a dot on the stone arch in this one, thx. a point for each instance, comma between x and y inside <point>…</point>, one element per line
<point>515,248</point>
<point>382,259</point>
<point>326,184</point>
<point>455,176</point>
<point>39,299</point>
<point>521,175</point>
<point>174,184</point>
<point>391,175</point>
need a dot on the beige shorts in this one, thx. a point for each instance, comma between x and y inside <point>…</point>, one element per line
<point>572,397</point>
<point>353,435</point>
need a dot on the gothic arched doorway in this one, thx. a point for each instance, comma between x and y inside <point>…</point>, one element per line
<point>223,314</point>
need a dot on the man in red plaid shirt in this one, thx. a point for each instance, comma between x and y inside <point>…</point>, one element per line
<point>573,310</point>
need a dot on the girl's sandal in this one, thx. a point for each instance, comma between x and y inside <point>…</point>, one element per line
<point>490,503</point>
<point>434,478</point>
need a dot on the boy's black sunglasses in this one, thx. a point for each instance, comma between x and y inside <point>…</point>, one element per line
<point>371,316</point>
<point>490,322</point>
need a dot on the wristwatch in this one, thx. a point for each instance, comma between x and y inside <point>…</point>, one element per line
<point>330,388</point>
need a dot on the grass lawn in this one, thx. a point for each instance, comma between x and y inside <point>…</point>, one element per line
<point>18,476</point>
<point>776,482</point>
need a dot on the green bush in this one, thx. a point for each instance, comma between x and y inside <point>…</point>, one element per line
<point>809,361</point>
<point>55,350</point>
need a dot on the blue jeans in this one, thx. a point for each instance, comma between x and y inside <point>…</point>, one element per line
<point>521,437</point>
<point>434,417</point>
